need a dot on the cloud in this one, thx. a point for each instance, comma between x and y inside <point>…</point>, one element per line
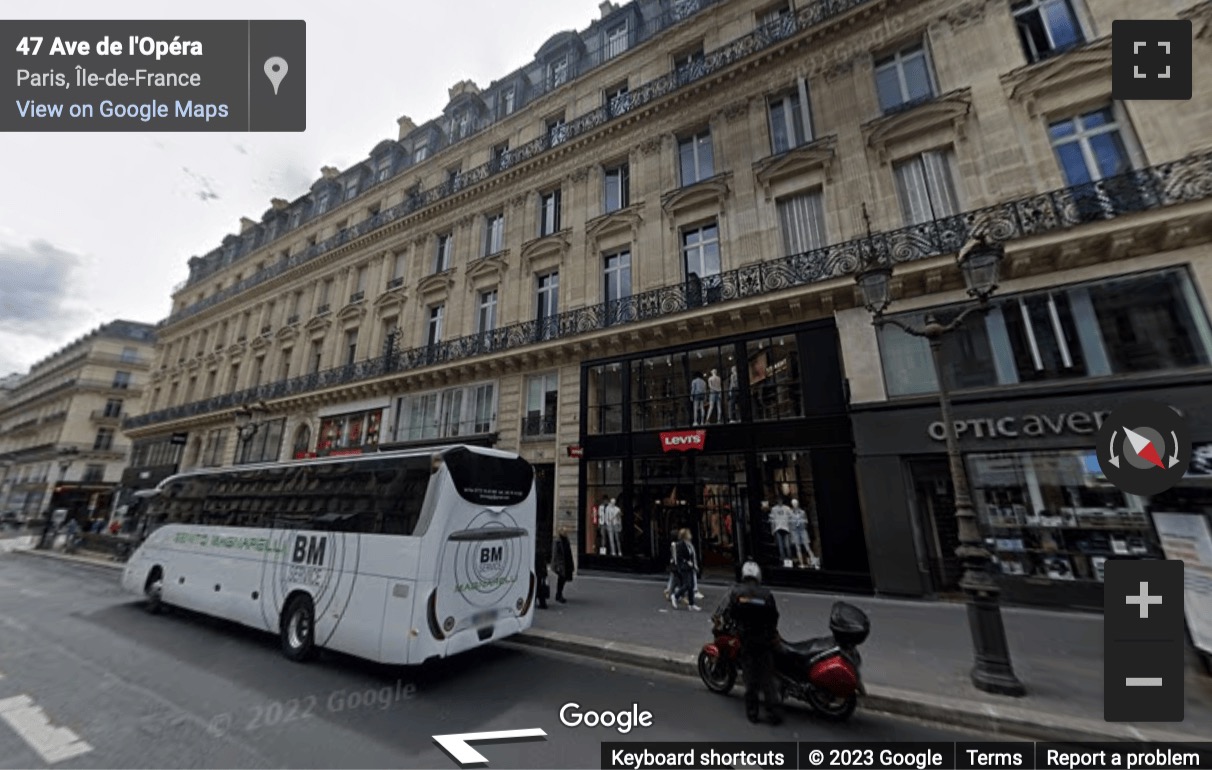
<point>200,186</point>
<point>240,149</point>
<point>35,286</point>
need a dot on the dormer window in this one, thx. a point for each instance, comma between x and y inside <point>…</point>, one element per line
<point>420,153</point>
<point>322,201</point>
<point>296,217</point>
<point>508,101</point>
<point>464,125</point>
<point>271,230</point>
<point>384,169</point>
<point>557,72</point>
<point>616,40</point>
<point>351,189</point>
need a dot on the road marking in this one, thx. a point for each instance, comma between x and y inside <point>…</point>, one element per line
<point>456,745</point>
<point>53,744</point>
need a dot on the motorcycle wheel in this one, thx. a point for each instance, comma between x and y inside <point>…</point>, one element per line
<point>830,706</point>
<point>719,675</point>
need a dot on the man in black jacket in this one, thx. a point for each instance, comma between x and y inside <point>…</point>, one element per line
<point>752,610</point>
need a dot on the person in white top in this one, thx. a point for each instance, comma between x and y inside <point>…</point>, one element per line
<point>780,527</point>
<point>603,526</point>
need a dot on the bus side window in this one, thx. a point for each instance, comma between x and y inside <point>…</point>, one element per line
<point>400,500</point>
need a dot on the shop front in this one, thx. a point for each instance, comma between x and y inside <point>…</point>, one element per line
<point>745,442</point>
<point>1048,515</point>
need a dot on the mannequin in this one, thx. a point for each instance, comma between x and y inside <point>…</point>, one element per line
<point>780,527</point>
<point>614,524</point>
<point>715,393</point>
<point>698,396</point>
<point>734,391</point>
<point>799,535</point>
<point>603,526</point>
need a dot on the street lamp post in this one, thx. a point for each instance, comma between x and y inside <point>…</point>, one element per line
<point>980,263</point>
<point>246,422</point>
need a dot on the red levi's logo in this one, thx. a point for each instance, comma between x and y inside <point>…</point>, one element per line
<point>683,440</point>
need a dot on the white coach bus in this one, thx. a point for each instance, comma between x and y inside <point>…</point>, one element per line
<point>398,557</point>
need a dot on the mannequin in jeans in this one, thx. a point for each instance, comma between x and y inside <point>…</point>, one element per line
<point>614,525</point>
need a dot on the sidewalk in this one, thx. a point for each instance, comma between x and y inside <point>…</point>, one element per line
<point>916,662</point>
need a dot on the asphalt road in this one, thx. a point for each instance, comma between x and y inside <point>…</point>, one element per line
<point>181,690</point>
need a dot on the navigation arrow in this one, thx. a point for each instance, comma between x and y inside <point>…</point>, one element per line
<point>456,745</point>
<point>1114,457</point>
<point>1174,457</point>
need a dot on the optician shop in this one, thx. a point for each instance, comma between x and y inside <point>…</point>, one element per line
<point>737,440</point>
<point>1049,516</point>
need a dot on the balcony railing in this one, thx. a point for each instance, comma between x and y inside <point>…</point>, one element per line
<point>539,425</point>
<point>357,296</point>
<point>322,309</point>
<point>102,415</point>
<point>395,283</point>
<point>759,39</point>
<point>292,320</point>
<point>1168,184</point>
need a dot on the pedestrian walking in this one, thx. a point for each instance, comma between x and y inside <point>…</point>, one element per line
<point>562,564</point>
<point>752,610</point>
<point>686,566</point>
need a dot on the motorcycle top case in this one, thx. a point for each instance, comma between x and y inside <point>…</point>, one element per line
<point>849,624</point>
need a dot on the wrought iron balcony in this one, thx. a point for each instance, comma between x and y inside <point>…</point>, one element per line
<point>395,283</point>
<point>266,329</point>
<point>322,309</point>
<point>1168,184</point>
<point>103,415</point>
<point>721,58</point>
<point>538,425</point>
<point>292,320</point>
<point>357,296</point>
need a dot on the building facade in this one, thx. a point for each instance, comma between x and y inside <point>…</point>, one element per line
<point>61,444</point>
<point>632,262</point>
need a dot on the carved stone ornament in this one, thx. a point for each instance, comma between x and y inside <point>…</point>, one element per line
<point>947,112</point>
<point>318,324</point>
<point>552,246</point>
<point>517,201</point>
<point>651,145</point>
<point>486,271</point>
<point>710,191</point>
<point>736,110</point>
<point>465,222</point>
<point>1058,79</point>
<point>437,283</point>
<point>580,175</point>
<point>963,15</point>
<point>839,69</point>
<point>623,220</point>
<point>820,154</point>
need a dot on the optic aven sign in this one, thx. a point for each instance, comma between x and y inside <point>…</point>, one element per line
<point>683,440</point>
<point>1028,425</point>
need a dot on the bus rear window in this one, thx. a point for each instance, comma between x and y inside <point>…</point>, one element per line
<point>487,480</point>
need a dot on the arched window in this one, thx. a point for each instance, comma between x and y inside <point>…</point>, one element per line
<point>302,441</point>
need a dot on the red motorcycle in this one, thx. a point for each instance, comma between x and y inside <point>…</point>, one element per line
<point>822,672</point>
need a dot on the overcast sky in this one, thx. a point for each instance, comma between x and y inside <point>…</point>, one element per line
<point>95,227</point>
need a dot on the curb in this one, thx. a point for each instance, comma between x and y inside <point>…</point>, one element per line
<point>61,557</point>
<point>987,718</point>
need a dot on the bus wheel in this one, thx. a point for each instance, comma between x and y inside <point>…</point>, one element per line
<point>299,629</point>
<point>153,591</point>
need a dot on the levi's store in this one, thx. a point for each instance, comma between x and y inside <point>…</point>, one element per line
<point>1032,381</point>
<point>744,441</point>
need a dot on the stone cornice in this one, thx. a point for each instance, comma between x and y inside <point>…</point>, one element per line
<point>949,111</point>
<point>821,154</point>
<point>556,244</point>
<point>713,190</point>
<point>391,296</point>
<point>318,323</point>
<point>487,268</point>
<point>1027,85</point>
<point>437,283</point>
<point>623,220</point>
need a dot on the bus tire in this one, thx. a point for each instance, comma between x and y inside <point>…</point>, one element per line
<point>153,591</point>
<point>298,629</point>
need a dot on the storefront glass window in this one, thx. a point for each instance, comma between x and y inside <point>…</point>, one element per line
<point>721,501</point>
<point>462,411</point>
<point>664,491</point>
<point>606,399</point>
<point>660,393</point>
<point>264,446</point>
<point>1151,322</point>
<point>774,379</point>
<point>1053,515</point>
<point>786,523</point>
<point>604,533</point>
<point>349,433</point>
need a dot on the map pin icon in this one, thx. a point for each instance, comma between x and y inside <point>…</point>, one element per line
<point>275,70</point>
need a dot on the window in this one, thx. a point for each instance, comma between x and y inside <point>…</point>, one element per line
<point>557,72</point>
<point>701,258</point>
<point>322,201</point>
<point>802,221</point>
<point>351,346</point>
<point>442,255</point>
<point>617,98</point>
<point>384,169</point>
<point>265,445</point>
<point>775,15</point>
<point>549,213</point>
<point>420,153</point>
<point>486,317</point>
<point>113,407</point>
<point>790,120</point>
<point>322,294</point>
<point>616,288</point>
<point>433,333</point>
<point>460,411</point>
<point>500,156</point>
<point>1090,147</point>
<point>547,305</point>
<point>508,101</point>
<point>284,365</point>
<point>296,217</point>
<point>121,380</point>
<point>690,65</point>
<point>606,398</point>
<point>93,474</point>
<point>616,40</point>
<point>296,301</point>
<point>1046,27</point>
<point>397,269</point>
<point>104,440</point>
<point>213,448</point>
<point>129,355</point>
<point>360,282</point>
<point>926,187</point>
<point>774,378</point>
<point>904,78</point>
<point>351,189</point>
<point>258,371</point>
<point>542,397</point>
<point>557,130</point>
<point>494,233</point>
<point>618,187</point>
<point>317,355</point>
<point>233,377</point>
<point>464,125</point>
<point>1130,325</point>
<point>695,158</point>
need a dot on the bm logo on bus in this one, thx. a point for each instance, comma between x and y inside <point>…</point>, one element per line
<point>307,560</point>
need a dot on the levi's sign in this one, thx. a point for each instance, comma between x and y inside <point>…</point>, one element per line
<point>683,440</point>
<point>1028,425</point>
